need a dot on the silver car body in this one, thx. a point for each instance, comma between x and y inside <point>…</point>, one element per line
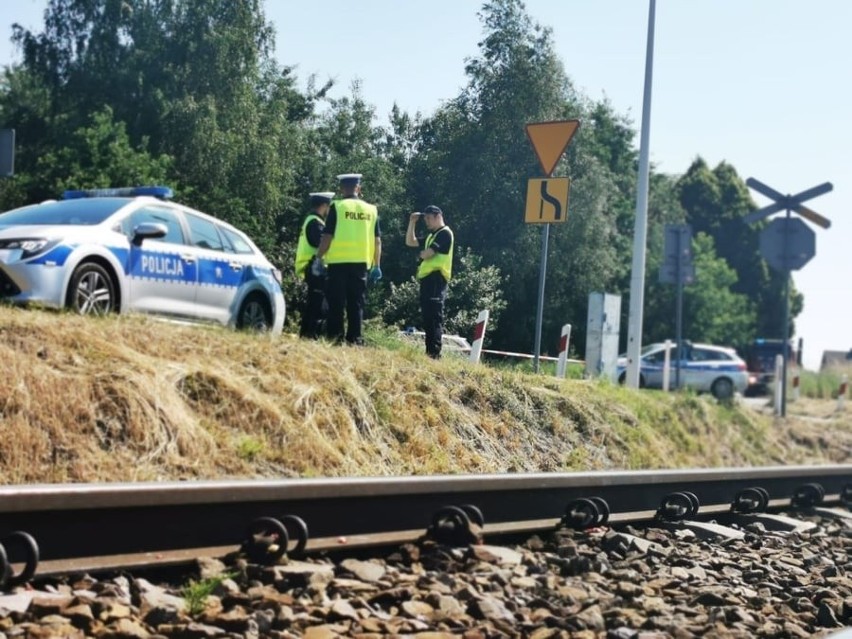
<point>702,366</point>
<point>177,276</point>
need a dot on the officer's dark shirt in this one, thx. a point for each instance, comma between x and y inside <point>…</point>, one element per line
<point>313,232</point>
<point>331,223</point>
<point>441,243</point>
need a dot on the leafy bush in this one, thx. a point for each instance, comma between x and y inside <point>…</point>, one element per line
<point>473,288</point>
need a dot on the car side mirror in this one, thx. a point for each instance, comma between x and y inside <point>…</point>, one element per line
<point>148,231</point>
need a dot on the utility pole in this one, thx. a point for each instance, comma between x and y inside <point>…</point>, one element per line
<point>640,229</point>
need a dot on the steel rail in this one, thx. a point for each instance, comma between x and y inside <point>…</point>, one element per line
<point>86,520</point>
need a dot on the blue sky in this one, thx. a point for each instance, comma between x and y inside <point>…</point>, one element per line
<point>762,84</point>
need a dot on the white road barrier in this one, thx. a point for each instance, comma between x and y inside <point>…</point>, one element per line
<point>667,366</point>
<point>478,336</point>
<point>562,362</point>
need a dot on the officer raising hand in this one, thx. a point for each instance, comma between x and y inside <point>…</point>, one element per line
<point>434,272</point>
<point>351,246</point>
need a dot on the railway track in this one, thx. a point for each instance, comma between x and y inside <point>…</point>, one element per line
<point>62,523</point>
<point>584,524</point>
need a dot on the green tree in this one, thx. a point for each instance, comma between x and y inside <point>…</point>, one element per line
<point>191,79</point>
<point>100,155</point>
<point>715,202</point>
<point>713,312</point>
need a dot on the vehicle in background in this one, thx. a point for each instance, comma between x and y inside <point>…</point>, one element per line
<point>703,368</point>
<point>454,345</point>
<point>117,250</point>
<point>760,360</point>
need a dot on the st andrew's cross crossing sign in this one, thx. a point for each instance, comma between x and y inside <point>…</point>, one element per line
<point>788,203</point>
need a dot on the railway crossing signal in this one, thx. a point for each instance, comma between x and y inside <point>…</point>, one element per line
<point>788,203</point>
<point>787,244</point>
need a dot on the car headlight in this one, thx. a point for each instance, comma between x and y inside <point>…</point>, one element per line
<point>29,246</point>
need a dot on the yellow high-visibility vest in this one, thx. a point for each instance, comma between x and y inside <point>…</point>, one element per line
<point>304,251</point>
<point>442,262</point>
<point>354,238</point>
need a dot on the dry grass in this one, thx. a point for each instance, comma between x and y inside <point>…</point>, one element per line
<point>130,399</point>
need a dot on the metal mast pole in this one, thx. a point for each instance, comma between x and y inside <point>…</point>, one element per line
<point>679,310</point>
<point>640,229</point>
<point>786,348</point>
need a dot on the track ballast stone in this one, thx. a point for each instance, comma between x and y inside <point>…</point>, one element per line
<point>637,584</point>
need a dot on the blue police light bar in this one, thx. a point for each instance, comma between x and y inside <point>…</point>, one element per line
<point>161,192</point>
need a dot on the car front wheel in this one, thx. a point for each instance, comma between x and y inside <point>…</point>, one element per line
<point>92,291</point>
<point>254,315</point>
<point>722,388</point>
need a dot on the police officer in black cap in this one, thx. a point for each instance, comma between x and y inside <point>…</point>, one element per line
<point>313,312</point>
<point>434,272</point>
<point>351,247</point>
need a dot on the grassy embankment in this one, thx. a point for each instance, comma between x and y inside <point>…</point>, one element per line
<point>824,384</point>
<point>129,398</point>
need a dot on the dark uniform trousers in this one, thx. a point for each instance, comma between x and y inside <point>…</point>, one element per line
<point>347,288</point>
<point>433,292</point>
<point>315,305</point>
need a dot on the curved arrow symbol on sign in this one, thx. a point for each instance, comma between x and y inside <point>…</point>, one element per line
<point>547,197</point>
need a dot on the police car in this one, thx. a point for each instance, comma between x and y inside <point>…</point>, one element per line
<point>704,368</point>
<point>130,249</point>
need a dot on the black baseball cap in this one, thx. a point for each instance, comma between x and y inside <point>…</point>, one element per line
<point>432,210</point>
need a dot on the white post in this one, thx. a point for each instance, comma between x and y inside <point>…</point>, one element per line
<point>640,226</point>
<point>478,336</point>
<point>796,381</point>
<point>779,382</point>
<point>841,392</point>
<point>564,340</point>
<point>667,365</point>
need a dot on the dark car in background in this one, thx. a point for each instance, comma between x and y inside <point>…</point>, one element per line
<point>760,360</point>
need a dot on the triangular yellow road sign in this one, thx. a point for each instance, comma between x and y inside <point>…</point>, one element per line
<point>550,139</point>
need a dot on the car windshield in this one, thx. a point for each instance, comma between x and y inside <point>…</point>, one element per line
<point>645,350</point>
<point>649,348</point>
<point>82,212</point>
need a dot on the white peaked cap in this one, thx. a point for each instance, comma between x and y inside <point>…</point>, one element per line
<point>345,177</point>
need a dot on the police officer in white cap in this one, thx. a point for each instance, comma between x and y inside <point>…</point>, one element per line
<point>351,247</point>
<point>314,311</point>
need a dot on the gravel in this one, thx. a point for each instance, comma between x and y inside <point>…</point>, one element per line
<point>636,583</point>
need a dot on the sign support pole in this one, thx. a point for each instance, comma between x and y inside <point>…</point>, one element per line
<point>786,350</point>
<point>679,310</point>
<point>539,316</point>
